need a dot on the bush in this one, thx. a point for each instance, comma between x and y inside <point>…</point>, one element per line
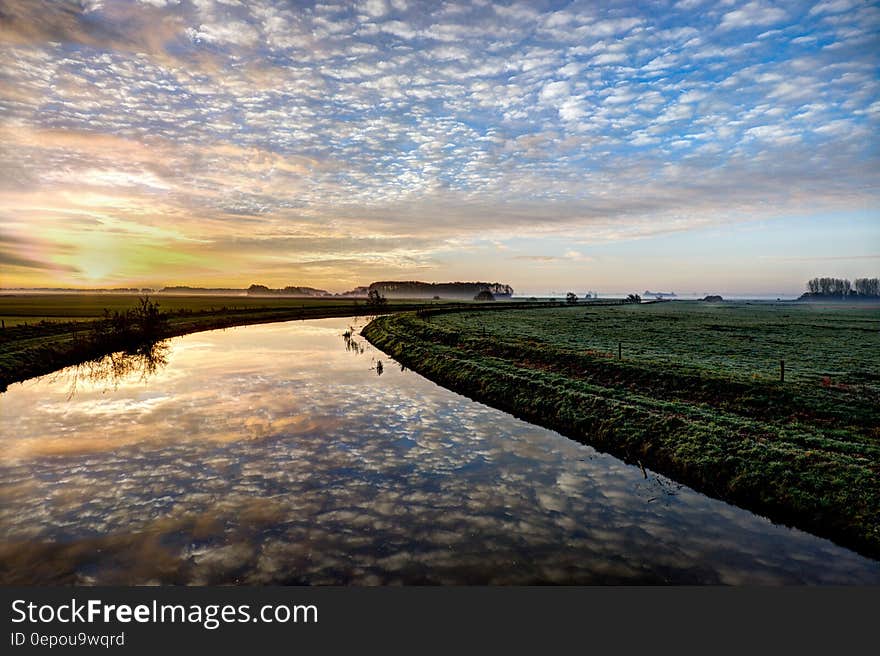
<point>131,328</point>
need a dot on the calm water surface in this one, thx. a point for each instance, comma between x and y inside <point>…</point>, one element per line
<point>280,454</point>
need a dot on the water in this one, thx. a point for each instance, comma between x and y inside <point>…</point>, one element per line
<point>279,454</point>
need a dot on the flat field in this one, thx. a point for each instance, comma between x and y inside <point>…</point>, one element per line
<point>738,340</point>
<point>32,308</point>
<point>696,395</point>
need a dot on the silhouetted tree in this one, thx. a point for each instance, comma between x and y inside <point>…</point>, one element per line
<point>375,299</point>
<point>484,295</point>
<point>867,286</point>
<point>571,298</point>
<point>841,287</point>
<point>130,328</point>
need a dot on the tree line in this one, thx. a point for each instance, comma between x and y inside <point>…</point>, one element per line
<point>843,287</point>
<point>418,289</point>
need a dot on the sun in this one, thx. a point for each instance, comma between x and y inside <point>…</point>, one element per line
<point>98,259</point>
<point>94,269</point>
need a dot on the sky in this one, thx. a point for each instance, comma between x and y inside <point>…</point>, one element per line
<point>690,146</point>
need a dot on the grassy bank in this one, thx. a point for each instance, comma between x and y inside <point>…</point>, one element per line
<point>696,396</point>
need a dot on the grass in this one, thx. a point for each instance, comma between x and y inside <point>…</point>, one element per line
<point>16,309</point>
<point>696,396</point>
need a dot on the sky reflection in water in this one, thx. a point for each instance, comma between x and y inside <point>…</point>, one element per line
<point>274,454</point>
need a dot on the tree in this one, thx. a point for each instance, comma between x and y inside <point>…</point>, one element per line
<point>571,298</point>
<point>148,318</point>
<point>842,287</point>
<point>484,295</point>
<point>867,286</point>
<point>633,298</point>
<point>375,299</point>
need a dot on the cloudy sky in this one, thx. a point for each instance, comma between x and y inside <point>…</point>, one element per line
<point>692,145</point>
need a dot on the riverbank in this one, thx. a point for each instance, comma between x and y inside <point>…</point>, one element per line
<point>34,349</point>
<point>42,333</point>
<point>805,453</point>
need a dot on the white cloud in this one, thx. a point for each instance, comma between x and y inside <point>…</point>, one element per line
<point>834,6</point>
<point>773,133</point>
<point>752,14</point>
<point>160,3</point>
<point>571,109</point>
<point>554,92</point>
<point>609,58</point>
<point>612,27</point>
<point>374,8</point>
<point>231,32</point>
<point>676,112</point>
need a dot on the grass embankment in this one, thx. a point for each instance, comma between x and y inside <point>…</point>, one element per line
<point>696,396</point>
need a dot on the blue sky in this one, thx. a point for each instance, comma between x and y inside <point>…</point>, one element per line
<point>696,146</point>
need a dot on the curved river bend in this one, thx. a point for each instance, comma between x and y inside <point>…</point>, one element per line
<point>282,454</point>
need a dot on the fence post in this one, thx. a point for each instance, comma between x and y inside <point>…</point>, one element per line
<point>782,371</point>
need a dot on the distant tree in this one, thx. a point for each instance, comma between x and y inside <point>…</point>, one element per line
<point>842,287</point>
<point>867,286</point>
<point>375,299</point>
<point>633,298</point>
<point>571,298</point>
<point>484,295</point>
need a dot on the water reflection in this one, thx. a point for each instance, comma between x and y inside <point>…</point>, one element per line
<point>352,343</point>
<point>114,368</point>
<point>268,454</point>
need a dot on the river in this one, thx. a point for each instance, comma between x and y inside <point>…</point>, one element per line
<point>285,453</point>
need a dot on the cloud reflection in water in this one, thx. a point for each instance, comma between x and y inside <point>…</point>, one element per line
<point>274,454</point>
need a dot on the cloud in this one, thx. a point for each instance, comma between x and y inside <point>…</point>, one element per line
<point>553,91</point>
<point>537,258</point>
<point>752,14</point>
<point>232,32</point>
<point>834,6</point>
<point>215,121</point>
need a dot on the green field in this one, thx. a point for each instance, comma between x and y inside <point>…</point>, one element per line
<point>738,340</point>
<point>697,394</point>
<point>17,309</point>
